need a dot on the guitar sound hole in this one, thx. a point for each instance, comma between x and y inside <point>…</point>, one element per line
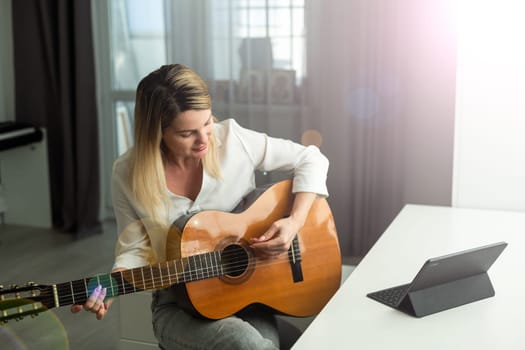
<point>234,260</point>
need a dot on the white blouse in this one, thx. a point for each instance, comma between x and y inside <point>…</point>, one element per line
<point>241,152</point>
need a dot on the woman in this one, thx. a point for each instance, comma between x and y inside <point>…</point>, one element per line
<point>184,162</point>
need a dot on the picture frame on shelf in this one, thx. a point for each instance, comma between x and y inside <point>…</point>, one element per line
<point>220,90</point>
<point>252,86</point>
<point>281,89</point>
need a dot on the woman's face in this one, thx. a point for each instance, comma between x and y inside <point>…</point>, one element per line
<point>188,135</point>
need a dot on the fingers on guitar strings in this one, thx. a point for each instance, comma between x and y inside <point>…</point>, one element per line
<point>96,299</point>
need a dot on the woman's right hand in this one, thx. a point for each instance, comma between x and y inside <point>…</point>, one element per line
<point>95,303</point>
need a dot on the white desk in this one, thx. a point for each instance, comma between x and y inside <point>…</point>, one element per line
<point>352,321</point>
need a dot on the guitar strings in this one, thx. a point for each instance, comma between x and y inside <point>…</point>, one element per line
<point>155,282</point>
<point>179,277</point>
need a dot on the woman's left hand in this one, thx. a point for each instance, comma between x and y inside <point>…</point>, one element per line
<point>277,239</point>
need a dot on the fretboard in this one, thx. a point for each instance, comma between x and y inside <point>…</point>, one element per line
<point>150,277</point>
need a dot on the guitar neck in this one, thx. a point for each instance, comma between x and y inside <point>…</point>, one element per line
<point>150,277</point>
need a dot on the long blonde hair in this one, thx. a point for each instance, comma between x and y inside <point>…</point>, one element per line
<point>161,96</point>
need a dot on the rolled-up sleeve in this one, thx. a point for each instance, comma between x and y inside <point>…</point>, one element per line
<point>309,165</point>
<point>133,246</point>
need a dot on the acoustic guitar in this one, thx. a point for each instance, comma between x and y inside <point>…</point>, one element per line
<point>209,258</point>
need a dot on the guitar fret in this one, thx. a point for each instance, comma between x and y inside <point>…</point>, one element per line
<point>210,265</point>
<point>160,275</point>
<point>64,293</point>
<point>199,268</point>
<point>206,262</point>
<point>182,270</point>
<point>111,285</point>
<point>184,267</point>
<point>145,278</point>
<point>188,271</point>
<point>116,286</point>
<point>60,297</point>
<point>72,292</point>
<point>152,276</point>
<point>135,281</point>
<point>213,263</point>
<point>217,263</point>
<point>196,269</point>
<point>169,274</point>
<point>176,273</point>
<point>129,280</point>
<point>156,276</point>
<point>193,268</point>
<point>216,257</point>
<point>122,282</point>
<point>129,286</point>
<point>205,272</point>
<point>79,291</point>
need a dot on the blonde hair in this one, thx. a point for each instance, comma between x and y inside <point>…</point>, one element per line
<point>161,96</point>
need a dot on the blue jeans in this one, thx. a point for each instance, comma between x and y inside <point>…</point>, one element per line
<point>174,328</point>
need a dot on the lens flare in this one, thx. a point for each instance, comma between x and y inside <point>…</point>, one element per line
<point>44,331</point>
<point>312,137</point>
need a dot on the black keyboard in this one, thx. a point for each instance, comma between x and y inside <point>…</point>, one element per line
<point>391,296</point>
<point>14,134</point>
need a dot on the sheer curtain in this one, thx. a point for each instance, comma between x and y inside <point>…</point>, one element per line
<point>381,90</point>
<point>251,53</point>
<point>369,81</point>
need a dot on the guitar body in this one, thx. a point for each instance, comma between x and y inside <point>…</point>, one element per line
<point>297,283</point>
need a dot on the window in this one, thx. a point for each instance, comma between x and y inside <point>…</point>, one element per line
<point>281,23</point>
<point>138,37</point>
<point>230,43</point>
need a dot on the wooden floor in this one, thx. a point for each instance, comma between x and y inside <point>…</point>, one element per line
<point>47,257</point>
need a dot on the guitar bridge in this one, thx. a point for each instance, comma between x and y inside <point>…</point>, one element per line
<point>294,257</point>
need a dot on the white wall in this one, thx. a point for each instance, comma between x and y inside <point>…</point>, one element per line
<point>25,182</point>
<point>489,161</point>
<point>7,105</point>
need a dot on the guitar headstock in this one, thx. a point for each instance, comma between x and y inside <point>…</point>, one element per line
<point>19,301</point>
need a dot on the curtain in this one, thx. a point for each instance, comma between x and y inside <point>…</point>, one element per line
<point>372,82</point>
<point>55,89</point>
<point>378,91</point>
<point>381,89</point>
